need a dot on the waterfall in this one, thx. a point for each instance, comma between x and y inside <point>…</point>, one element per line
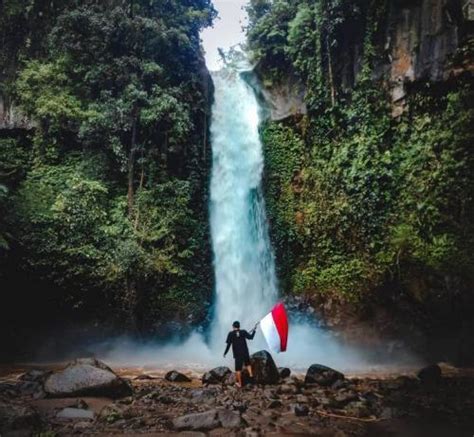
<point>244,266</point>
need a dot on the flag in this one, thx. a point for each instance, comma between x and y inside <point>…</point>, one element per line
<point>275,328</point>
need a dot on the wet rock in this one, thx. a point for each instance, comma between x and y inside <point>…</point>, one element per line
<point>197,421</point>
<point>31,388</point>
<point>216,375</point>
<point>357,409</point>
<point>322,375</point>
<point>284,372</point>
<point>14,417</point>
<point>324,401</point>
<point>82,426</point>
<point>270,393</point>
<point>289,389</point>
<point>31,384</point>
<point>34,375</point>
<point>205,395</point>
<point>339,384</point>
<point>343,398</point>
<point>296,381</point>
<point>208,420</point>
<point>174,376</point>
<point>75,413</point>
<point>209,378</point>
<point>301,410</point>
<point>144,377</point>
<point>221,372</point>
<point>264,368</point>
<point>275,403</point>
<point>401,383</point>
<point>430,374</point>
<point>79,403</point>
<point>111,414</point>
<point>229,419</point>
<point>9,390</point>
<point>302,399</point>
<point>166,400</point>
<point>230,379</point>
<point>86,376</point>
<point>251,432</point>
<point>239,406</point>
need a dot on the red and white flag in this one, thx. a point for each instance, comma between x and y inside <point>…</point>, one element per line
<point>275,328</point>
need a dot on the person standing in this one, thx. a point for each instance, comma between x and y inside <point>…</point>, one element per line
<point>238,339</point>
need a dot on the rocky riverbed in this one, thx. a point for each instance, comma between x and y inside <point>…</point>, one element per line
<point>88,397</point>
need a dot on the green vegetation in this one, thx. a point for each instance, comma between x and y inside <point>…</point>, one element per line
<point>359,200</point>
<point>103,202</point>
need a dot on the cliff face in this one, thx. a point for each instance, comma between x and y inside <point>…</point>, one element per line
<point>362,184</point>
<point>420,40</point>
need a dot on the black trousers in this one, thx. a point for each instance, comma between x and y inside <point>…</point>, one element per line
<point>240,361</point>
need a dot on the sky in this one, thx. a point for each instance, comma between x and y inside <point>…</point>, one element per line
<point>227,30</point>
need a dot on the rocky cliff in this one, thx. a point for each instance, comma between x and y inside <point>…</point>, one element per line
<point>420,40</point>
<point>369,167</point>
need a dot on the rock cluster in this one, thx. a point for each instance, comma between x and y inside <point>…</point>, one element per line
<point>322,401</point>
<point>86,377</point>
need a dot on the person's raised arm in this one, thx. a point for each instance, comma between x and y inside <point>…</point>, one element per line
<point>250,335</point>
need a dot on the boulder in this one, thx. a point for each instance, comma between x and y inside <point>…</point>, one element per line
<point>75,413</point>
<point>284,372</point>
<point>217,375</point>
<point>430,374</point>
<point>208,420</point>
<point>229,419</point>
<point>264,369</point>
<point>15,417</point>
<point>175,376</point>
<point>31,388</point>
<point>221,372</point>
<point>86,377</point>
<point>31,383</point>
<point>322,375</point>
<point>230,379</point>
<point>34,375</point>
<point>301,410</point>
<point>209,378</point>
<point>8,389</point>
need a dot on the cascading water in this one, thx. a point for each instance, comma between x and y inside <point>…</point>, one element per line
<point>244,266</point>
<point>245,282</point>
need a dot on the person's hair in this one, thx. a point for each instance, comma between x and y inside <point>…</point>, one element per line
<point>236,324</point>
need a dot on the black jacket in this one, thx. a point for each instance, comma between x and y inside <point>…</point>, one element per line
<point>238,340</point>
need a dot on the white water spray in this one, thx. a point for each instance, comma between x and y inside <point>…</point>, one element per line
<point>244,265</point>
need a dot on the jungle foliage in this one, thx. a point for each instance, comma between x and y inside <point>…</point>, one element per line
<point>103,201</point>
<point>359,200</point>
